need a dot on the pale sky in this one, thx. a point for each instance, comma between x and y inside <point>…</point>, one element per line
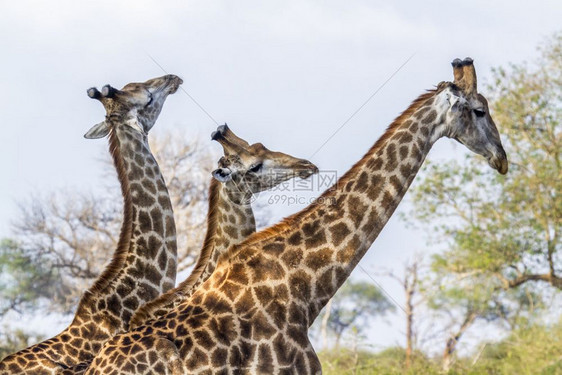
<point>284,73</point>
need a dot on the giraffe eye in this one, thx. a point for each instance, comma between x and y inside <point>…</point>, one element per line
<point>149,101</point>
<point>479,112</point>
<point>256,168</point>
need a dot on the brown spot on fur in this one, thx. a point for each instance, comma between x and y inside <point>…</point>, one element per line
<point>392,160</point>
<point>157,224</point>
<point>263,269</point>
<point>235,357</point>
<point>339,232</point>
<point>356,210</point>
<point>405,171</point>
<point>196,359</point>
<point>430,118</point>
<point>245,304</point>
<point>299,283</point>
<point>421,112</point>
<point>265,360</point>
<point>292,257</point>
<point>404,150</point>
<point>262,329</point>
<point>295,239</point>
<point>387,202</point>
<point>377,182</point>
<point>203,339</point>
<point>317,259</point>
<point>231,231</point>
<point>224,330</point>
<point>264,294</point>
<point>274,248</point>
<point>238,275</point>
<point>362,182</point>
<point>375,164</point>
<point>218,357</point>
<point>406,137</point>
<point>317,239</point>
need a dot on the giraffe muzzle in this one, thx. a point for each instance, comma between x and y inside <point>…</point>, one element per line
<point>499,164</point>
<point>306,169</point>
<point>174,83</point>
<point>499,161</point>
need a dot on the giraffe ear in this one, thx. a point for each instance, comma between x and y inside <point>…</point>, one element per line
<point>222,174</point>
<point>98,131</point>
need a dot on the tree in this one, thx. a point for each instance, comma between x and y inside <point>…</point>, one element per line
<point>73,234</point>
<point>352,306</point>
<point>410,283</point>
<point>23,281</point>
<point>461,301</point>
<point>529,350</point>
<point>503,233</point>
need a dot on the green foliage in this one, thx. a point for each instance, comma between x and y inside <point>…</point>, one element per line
<point>387,362</point>
<point>22,280</point>
<point>531,350</point>
<point>357,300</point>
<point>535,349</point>
<point>354,304</point>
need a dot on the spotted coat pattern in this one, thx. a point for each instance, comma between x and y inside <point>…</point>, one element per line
<point>230,218</point>
<point>251,316</point>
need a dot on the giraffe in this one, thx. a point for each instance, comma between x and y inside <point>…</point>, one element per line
<point>243,171</point>
<point>252,315</point>
<point>144,263</point>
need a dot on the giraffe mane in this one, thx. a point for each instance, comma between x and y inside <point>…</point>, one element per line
<point>142,313</point>
<point>292,221</point>
<point>123,244</point>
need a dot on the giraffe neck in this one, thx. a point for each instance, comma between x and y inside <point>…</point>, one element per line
<point>144,264</point>
<point>230,220</point>
<point>234,222</point>
<point>370,194</point>
<point>319,247</point>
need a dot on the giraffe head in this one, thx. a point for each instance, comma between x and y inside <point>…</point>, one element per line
<point>136,104</point>
<point>467,117</point>
<point>254,168</point>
